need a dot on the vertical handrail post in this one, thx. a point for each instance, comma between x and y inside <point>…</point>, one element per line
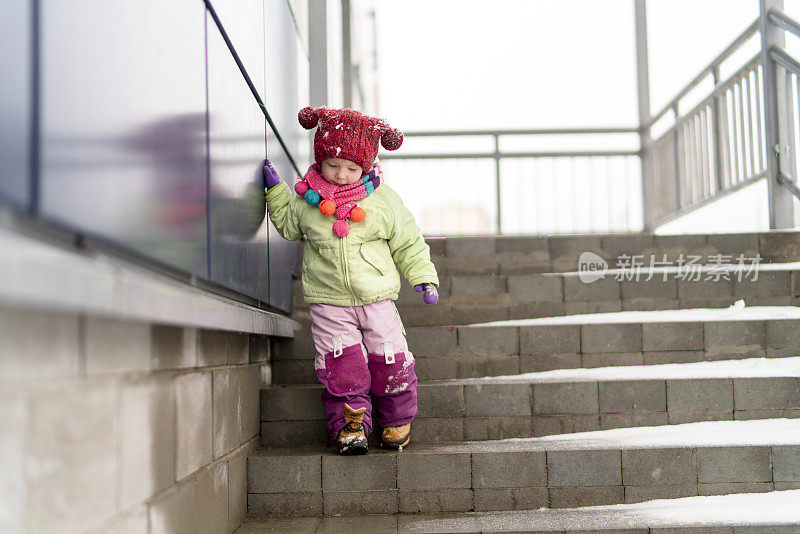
<point>318,52</point>
<point>643,92</point>
<point>717,137</point>
<point>676,157</point>
<point>497,182</point>
<point>780,199</point>
<point>347,57</point>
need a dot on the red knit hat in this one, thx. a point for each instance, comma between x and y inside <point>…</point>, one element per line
<point>348,134</point>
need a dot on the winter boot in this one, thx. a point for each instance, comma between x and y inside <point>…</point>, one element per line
<point>351,439</point>
<point>396,437</point>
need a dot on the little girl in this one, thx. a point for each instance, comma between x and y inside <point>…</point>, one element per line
<point>350,277</point>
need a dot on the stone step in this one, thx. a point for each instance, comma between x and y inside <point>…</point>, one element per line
<point>774,512</point>
<point>596,341</point>
<point>595,468</point>
<point>473,299</point>
<point>548,403</point>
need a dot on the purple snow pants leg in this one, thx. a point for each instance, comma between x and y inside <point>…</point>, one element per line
<point>361,349</point>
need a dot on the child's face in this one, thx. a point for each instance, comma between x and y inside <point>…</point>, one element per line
<point>341,171</point>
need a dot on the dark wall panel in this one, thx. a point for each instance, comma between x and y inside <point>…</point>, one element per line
<point>15,101</point>
<point>236,151</point>
<point>123,144</point>
<point>284,61</point>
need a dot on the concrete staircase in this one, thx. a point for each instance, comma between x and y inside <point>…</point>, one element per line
<point>559,406</point>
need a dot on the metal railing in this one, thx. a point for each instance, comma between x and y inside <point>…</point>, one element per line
<point>720,145</point>
<point>488,204</point>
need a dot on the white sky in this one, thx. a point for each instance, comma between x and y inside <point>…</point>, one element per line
<point>515,64</point>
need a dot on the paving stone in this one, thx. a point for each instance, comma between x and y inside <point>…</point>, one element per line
<point>374,524</point>
<point>735,337</point>
<point>483,428</point>
<point>576,289</point>
<point>565,398</point>
<point>287,372</point>
<point>488,340</point>
<point>372,472</point>
<point>649,467</point>
<point>779,246</point>
<point>360,502</point>
<point>634,494</point>
<point>649,304</point>
<point>477,286</point>
<point>734,244</point>
<point>480,366</point>
<point>432,341</point>
<point>565,250</point>
<point>237,486</point>
<point>734,487</point>
<point>734,464</point>
<point>509,469</point>
<point>574,497</point>
<point>470,247</point>
<point>629,245</point>
<point>284,473</point>
<point>291,403</point>
<point>611,338</point>
<point>471,266</point>
<point>655,287</point>
<point>523,498</point>
<point>786,463</point>
<point>515,246</point>
<point>470,314</point>
<point>537,288</point>
<point>703,394</point>
<point>546,339</point>
<point>434,368</point>
<point>672,356</point>
<point>438,430</point>
<point>767,284</point>
<point>284,504</point>
<point>766,393</point>
<point>431,502</point>
<point>611,359</point>
<point>672,336</point>
<point>433,471</point>
<point>564,424</point>
<point>766,529</point>
<point>675,245</point>
<point>259,348</point>
<point>584,468</point>
<point>531,310</point>
<point>236,408</point>
<point>441,400</point>
<point>548,362</point>
<point>679,418</point>
<point>691,288</point>
<point>746,415</point>
<point>497,399</point>
<point>594,306</point>
<point>783,334</point>
<point>617,396</point>
<point>293,433</point>
<point>633,419</point>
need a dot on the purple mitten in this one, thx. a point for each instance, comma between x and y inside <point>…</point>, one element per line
<point>430,295</point>
<point>271,178</point>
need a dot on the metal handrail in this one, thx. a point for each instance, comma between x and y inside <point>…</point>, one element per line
<point>785,22</point>
<point>709,69</point>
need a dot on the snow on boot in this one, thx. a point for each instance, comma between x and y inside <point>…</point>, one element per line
<point>351,439</point>
<point>396,437</point>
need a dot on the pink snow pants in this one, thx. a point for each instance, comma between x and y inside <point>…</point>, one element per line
<point>361,350</point>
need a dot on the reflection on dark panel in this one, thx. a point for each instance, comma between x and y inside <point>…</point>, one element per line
<point>236,151</point>
<point>281,99</point>
<point>15,90</point>
<point>124,124</point>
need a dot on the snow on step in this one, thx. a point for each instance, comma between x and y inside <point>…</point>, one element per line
<point>758,432</point>
<point>776,508</point>
<point>737,312</point>
<point>745,368</point>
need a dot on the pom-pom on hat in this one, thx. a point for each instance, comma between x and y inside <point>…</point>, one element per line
<point>348,134</point>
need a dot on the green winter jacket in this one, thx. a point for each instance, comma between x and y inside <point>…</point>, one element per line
<point>359,268</point>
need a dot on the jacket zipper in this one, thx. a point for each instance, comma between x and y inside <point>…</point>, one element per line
<point>346,274</point>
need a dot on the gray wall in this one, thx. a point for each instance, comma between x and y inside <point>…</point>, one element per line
<point>150,141</point>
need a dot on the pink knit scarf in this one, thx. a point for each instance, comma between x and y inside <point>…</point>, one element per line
<point>343,196</point>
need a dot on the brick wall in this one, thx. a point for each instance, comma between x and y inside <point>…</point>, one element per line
<point>113,426</point>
